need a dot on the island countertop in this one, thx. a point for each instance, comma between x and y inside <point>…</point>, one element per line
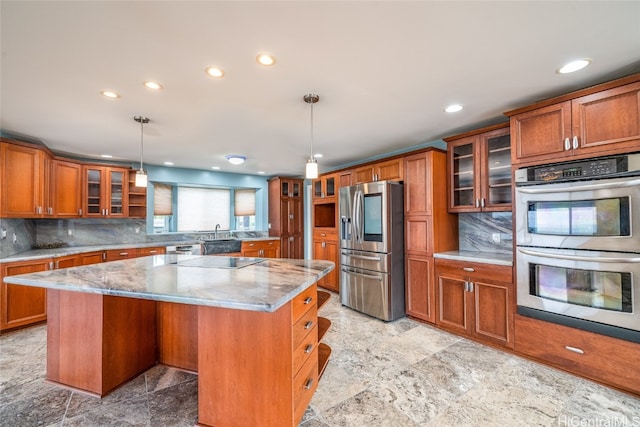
<point>256,284</point>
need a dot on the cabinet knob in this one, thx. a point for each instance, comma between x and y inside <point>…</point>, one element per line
<point>308,348</point>
<point>308,384</point>
<point>308,325</point>
<point>308,300</point>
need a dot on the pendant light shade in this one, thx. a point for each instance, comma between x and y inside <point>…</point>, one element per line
<point>311,170</point>
<point>141,175</point>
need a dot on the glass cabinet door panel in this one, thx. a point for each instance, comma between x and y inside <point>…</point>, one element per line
<point>317,188</point>
<point>117,196</point>
<point>284,188</point>
<point>463,175</point>
<point>94,187</point>
<point>331,186</point>
<point>296,189</point>
<point>499,169</point>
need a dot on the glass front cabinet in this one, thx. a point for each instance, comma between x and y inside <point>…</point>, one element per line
<point>479,166</point>
<point>105,192</point>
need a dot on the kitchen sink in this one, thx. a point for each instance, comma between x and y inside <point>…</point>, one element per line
<point>221,246</point>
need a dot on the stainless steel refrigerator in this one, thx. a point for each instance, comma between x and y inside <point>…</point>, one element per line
<point>372,249</point>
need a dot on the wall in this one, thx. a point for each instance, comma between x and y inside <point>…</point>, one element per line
<point>476,232</point>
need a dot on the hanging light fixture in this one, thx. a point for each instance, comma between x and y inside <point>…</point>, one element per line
<point>311,171</point>
<point>141,175</point>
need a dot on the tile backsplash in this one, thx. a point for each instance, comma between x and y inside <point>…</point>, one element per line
<point>478,230</point>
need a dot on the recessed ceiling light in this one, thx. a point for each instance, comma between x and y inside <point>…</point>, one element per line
<point>106,156</point>
<point>453,108</point>
<point>215,167</point>
<point>109,94</point>
<point>235,159</point>
<point>261,172</point>
<point>214,72</point>
<point>153,85</point>
<point>168,163</point>
<point>573,66</point>
<point>265,59</point>
<point>318,155</point>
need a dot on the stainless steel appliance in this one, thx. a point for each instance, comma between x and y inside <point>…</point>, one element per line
<point>578,244</point>
<point>372,249</point>
<point>191,249</point>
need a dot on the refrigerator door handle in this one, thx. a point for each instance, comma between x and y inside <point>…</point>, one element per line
<point>368,276</point>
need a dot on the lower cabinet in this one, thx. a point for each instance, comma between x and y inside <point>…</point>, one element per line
<point>598,357</point>
<point>325,246</point>
<point>261,248</point>
<point>476,299</point>
<point>22,305</point>
<point>420,290</point>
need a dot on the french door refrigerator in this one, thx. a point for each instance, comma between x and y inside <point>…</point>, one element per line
<point>372,249</point>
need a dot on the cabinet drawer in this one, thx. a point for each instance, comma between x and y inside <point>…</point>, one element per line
<point>325,235</point>
<point>303,302</point>
<point>303,351</point>
<point>475,270</point>
<point>116,254</point>
<point>151,251</point>
<point>304,385</point>
<point>594,356</point>
<point>304,325</point>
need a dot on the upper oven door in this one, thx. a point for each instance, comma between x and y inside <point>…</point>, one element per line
<point>597,215</point>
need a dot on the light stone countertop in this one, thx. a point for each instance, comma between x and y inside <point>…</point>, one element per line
<point>265,285</point>
<point>477,256</point>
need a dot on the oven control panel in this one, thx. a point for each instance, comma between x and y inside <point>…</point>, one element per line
<point>583,169</point>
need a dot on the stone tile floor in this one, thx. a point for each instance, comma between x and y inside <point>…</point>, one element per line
<point>402,373</point>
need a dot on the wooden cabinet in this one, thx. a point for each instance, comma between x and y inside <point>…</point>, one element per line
<point>154,250</point>
<point>344,179</point>
<point>476,299</point>
<point>88,258</point>
<point>22,305</point>
<point>261,248</point>
<point>118,254</point>
<point>286,215</point>
<point>325,187</point>
<point>598,357</point>
<point>428,228</point>
<point>388,170</point>
<point>479,170</point>
<point>327,247</point>
<point>596,121</point>
<point>65,189</point>
<point>22,181</point>
<point>105,190</point>
<point>137,197</point>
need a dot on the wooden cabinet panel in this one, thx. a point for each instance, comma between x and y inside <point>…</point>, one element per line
<point>387,170</point>
<point>22,181</point>
<point>418,235</point>
<point>418,185</point>
<point>261,248</point>
<point>286,216</point>
<point>598,357</point>
<point>178,335</point>
<point>22,305</point>
<point>476,299</point>
<point>420,290</point>
<point>136,198</point>
<point>327,248</point>
<point>118,254</point>
<point>106,192</point>
<point>66,261</point>
<point>325,187</point>
<point>541,133</point>
<point>90,258</point>
<point>155,250</point>
<point>65,189</point>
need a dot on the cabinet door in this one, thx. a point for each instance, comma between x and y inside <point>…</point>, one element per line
<point>271,249</point>
<point>66,261</point>
<point>94,191</point>
<point>418,184</point>
<point>65,189</point>
<point>22,305</point>
<point>90,258</point>
<point>22,181</point>
<point>296,219</point>
<point>362,174</point>
<point>453,303</point>
<point>464,173</point>
<point>542,134</point>
<point>328,250</point>
<point>608,120</point>
<point>391,170</point>
<point>118,178</point>
<point>420,289</point>
<point>492,304</point>
<point>345,179</point>
<point>496,171</point>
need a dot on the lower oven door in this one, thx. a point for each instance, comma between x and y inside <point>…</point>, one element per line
<point>602,287</point>
<point>368,292</point>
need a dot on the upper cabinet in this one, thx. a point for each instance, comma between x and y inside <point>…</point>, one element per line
<point>479,166</point>
<point>22,181</point>
<point>65,189</point>
<point>137,198</point>
<point>388,170</point>
<point>105,191</point>
<point>286,212</point>
<point>597,121</point>
<point>325,187</point>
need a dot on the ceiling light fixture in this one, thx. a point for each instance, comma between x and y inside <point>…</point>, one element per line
<point>153,85</point>
<point>573,66</point>
<point>265,59</point>
<point>235,159</point>
<point>106,156</point>
<point>453,108</point>
<point>141,175</point>
<point>214,72</point>
<point>109,94</point>
<point>311,170</point>
<point>168,163</point>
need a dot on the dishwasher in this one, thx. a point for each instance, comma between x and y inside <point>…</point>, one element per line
<point>191,249</point>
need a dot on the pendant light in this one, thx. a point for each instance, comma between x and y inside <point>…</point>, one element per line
<point>141,175</point>
<point>311,171</point>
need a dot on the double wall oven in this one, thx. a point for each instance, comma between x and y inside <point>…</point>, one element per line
<point>578,244</point>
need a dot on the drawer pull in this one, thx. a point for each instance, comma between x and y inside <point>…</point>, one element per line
<point>471,269</point>
<point>308,384</point>
<point>309,324</point>
<point>124,253</point>
<point>308,348</point>
<point>308,300</point>
<point>153,252</point>
<point>574,349</point>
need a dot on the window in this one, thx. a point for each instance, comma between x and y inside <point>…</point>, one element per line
<point>245,209</point>
<point>201,209</point>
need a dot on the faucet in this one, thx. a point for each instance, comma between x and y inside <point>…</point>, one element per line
<point>215,232</point>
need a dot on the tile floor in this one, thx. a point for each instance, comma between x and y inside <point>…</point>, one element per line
<point>394,374</point>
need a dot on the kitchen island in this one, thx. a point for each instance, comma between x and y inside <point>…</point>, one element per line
<point>247,326</point>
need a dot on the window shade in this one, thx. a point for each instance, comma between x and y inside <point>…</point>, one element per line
<point>201,209</point>
<point>245,203</point>
<point>162,199</point>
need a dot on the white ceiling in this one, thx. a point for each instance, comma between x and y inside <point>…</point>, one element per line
<point>384,72</point>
